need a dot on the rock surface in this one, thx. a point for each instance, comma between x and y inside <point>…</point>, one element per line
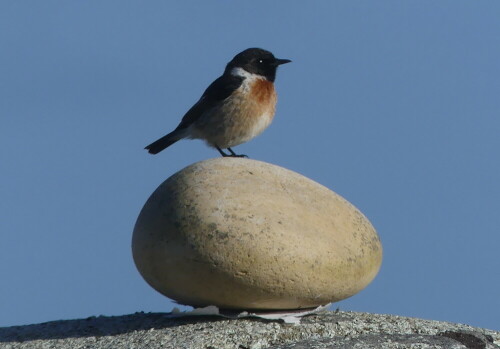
<point>244,234</point>
<point>324,330</point>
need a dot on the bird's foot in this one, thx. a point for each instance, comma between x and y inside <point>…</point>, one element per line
<point>232,155</point>
<point>238,156</point>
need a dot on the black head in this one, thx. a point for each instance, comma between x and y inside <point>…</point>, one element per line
<point>257,61</point>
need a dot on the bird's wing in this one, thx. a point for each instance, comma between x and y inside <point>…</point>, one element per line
<point>218,90</point>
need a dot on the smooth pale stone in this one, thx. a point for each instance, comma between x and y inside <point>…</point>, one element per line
<point>245,234</point>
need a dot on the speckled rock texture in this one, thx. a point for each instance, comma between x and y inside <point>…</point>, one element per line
<point>324,330</point>
<point>244,234</point>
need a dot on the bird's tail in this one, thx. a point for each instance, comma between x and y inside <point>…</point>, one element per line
<point>165,141</point>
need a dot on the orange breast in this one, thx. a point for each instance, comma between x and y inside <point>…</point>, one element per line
<point>263,92</point>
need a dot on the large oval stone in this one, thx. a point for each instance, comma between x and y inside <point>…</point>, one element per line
<point>244,234</point>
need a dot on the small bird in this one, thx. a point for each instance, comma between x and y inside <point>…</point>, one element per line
<point>235,108</point>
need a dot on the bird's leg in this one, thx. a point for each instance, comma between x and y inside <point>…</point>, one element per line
<point>222,153</point>
<point>234,155</point>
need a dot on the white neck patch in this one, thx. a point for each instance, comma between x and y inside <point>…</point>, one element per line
<point>248,78</point>
<point>244,74</point>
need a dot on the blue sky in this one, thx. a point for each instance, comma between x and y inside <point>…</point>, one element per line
<point>392,104</point>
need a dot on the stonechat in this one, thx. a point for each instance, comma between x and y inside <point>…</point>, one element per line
<point>235,108</point>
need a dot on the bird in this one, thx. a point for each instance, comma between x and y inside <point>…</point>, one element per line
<point>236,107</point>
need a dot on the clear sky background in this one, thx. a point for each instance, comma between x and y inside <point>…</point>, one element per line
<point>395,105</point>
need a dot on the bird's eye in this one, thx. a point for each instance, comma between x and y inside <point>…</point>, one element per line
<point>261,61</point>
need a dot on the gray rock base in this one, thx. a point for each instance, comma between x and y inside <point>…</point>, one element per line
<point>324,330</point>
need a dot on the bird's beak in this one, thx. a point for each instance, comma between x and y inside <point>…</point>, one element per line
<point>278,61</point>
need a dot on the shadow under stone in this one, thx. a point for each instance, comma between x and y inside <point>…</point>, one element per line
<point>97,326</point>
